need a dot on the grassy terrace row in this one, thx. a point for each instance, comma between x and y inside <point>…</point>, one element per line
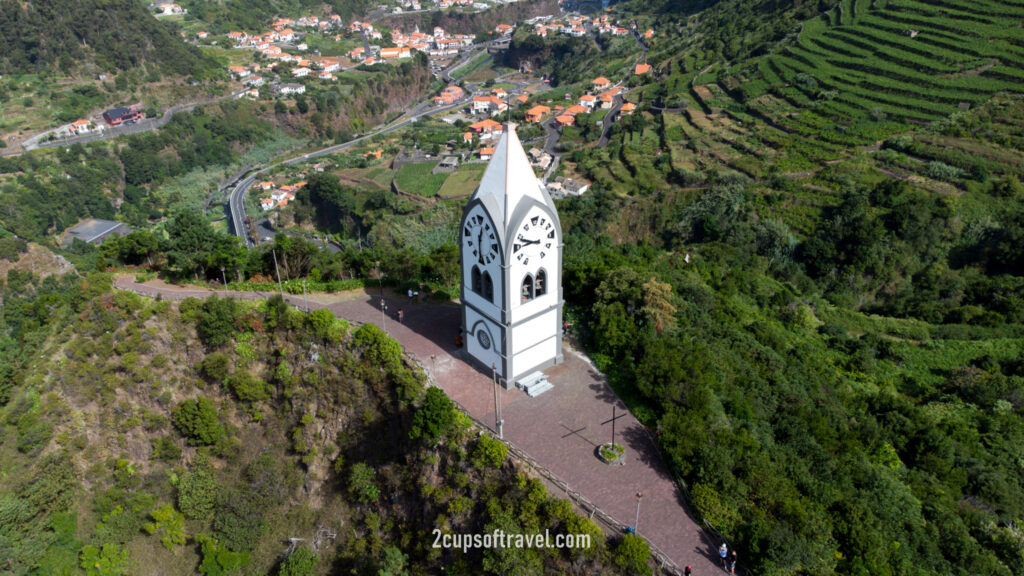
<point>916,110</point>
<point>949,49</point>
<point>974,11</point>
<point>927,17</point>
<point>979,85</point>
<point>903,47</point>
<point>842,78</point>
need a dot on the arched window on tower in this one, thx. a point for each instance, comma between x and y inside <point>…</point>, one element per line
<point>527,292</point>
<point>488,287</point>
<point>540,285</point>
<point>476,284</point>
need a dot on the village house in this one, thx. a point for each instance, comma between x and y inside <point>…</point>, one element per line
<point>166,9</point>
<point>486,153</point>
<point>450,95</point>
<point>122,115</point>
<point>576,109</point>
<point>601,83</point>
<point>94,231</point>
<point>588,101</point>
<point>301,72</point>
<point>487,128</point>
<point>642,69</point>
<point>504,29</point>
<point>491,104</point>
<point>238,71</point>
<point>536,114</point>
<point>289,89</point>
<point>79,127</point>
<point>628,108</point>
<point>565,120</point>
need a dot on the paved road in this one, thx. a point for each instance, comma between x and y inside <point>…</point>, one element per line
<point>560,429</point>
<point>34,142</point>
<point>236,201</point>
<point>609,120</point>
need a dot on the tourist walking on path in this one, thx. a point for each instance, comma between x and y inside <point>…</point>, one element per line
<point>732,563</point>
<point>723,553</point>
<point>688,572</point>
<point>401,315</point>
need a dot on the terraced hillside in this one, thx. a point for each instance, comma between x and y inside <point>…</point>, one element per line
<point>904,60</point>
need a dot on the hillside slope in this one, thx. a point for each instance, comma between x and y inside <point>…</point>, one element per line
<point>117,34</point>
<point>200,437</point>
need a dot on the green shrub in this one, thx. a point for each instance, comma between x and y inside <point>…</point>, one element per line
<point>361,483</point>
<point>111,560</point>
<point>165,449</point>
<point>488,452</point>
<point>216,366</point>
<point>197,420</point>
<point>218,560</point>
<point>632,554</point>
<point>301,562</point>
<point>435,418</point>
<point>247,387</point>
<point>170,524</point>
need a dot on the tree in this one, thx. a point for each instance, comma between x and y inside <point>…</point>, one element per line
<point>198,421</point>
<point>658,306</point>
<point>170,524</point>
<point>301,562</point>
<point>190,242</point>
<point>217,321</point>
<point>435,418</point>
<point>239,519</point>
<point>392,563</point>
<point>198,489</point>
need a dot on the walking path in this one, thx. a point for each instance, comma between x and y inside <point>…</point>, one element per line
<point>560,429</point>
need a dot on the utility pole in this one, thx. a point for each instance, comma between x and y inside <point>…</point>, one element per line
<point>304,299</point>
<point>499,422</point>
<point>612,421</point>
<point>280,286</point>
<point>636,520</point>
<point>224,280</point>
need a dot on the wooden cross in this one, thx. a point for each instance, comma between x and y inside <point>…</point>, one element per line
<point>612,421</point>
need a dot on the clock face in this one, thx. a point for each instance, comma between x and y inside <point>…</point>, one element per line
<point>534,241</point>
<point>480,240</point>
<point>483,338</point>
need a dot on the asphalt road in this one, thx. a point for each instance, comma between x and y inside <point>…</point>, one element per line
<point>236,201</point>
<point>34,142</point>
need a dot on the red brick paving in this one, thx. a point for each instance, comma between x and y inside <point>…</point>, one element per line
<point>560,429</point>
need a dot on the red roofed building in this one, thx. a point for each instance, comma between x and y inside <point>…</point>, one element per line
<point>642,69</point>
<point>601,83</point>
<point>536,114</point>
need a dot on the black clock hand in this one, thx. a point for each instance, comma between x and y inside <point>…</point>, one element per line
<point>528,242</point>
<point>480,247</point>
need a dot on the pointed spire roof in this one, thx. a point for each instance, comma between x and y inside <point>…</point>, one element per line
<point>508,180</point>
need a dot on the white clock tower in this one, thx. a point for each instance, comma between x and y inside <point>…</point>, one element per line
<point>511,248</point>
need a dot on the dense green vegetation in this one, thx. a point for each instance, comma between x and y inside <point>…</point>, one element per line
<point>819,437</point>
<point>128,441</point>
<point>115,35</point>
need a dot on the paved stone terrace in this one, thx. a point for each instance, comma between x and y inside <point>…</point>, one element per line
<point>560,429</point>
